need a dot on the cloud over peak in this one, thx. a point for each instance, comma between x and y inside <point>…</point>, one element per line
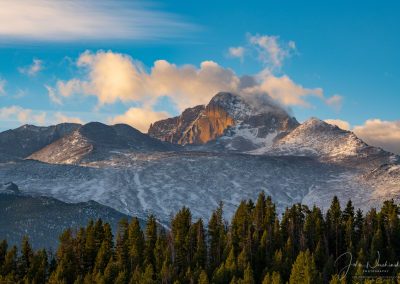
<point>339,123</point>
<point>115,77</point>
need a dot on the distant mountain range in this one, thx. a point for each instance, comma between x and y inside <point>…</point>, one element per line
<point>228,150</point>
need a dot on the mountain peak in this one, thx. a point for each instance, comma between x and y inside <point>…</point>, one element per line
<point>96,139</point>
<point>316,122</point>
<point>253,118</point>
<point>224,97</point>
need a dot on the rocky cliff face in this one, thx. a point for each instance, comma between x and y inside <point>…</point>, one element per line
<point>173,129</point>
<point>228,121</point>
<point>209,125</point>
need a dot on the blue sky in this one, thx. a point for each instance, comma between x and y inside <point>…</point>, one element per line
<point>350,51</point>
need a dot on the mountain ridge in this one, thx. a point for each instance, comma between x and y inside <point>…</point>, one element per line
<point>96,139</point>
<point>266,149</point>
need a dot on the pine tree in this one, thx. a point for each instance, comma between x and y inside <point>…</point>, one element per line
<point>217,238</point>
<point>37,272</point>
<point>304,270</point>
<point>151,239</point>
<point>122,245</point>
<point>203,278</point>
<point>336,279</point>
<point>248,277</point>
<point>333,220</point>
<point>10,262</point>
<point>274,278</point>
<point>66,270</point>
<point>161,252</point>
<point>26,256</point>
<point>3,252</point>
<point>136,244</point>
<point>240,226</point>
<point>180,228</point>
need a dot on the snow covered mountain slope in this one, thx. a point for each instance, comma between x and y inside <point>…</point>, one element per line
<point>229,122</point>
<point>162,182</point>
<point>327,142</point>
<point>95,141</point>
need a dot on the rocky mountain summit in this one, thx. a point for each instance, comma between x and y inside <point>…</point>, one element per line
<point>229,121</point>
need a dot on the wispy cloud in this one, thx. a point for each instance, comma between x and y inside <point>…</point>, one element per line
<point>2,87</point>
<point>22,115</point>
<point>237,52</point>
<point>46,20</point>
<point>271,51</point>
<point>335,102</point>
<point>33,69</point>
<point>61,118</point>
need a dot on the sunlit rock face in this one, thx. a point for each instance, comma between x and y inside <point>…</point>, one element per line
<point>173,129</point>
<point>209,125</point>
<point>197,125</point>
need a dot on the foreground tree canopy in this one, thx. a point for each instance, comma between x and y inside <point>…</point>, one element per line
<point>302,246</point>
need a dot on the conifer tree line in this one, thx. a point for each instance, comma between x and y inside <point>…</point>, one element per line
<point>304,245</point>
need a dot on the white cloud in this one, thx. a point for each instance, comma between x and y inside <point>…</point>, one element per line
<point>335,102</point>
<point>139,118</point>
<point>22,115</point>
<point>40,118</point>
<point>33,69</point>
<point>237,52</point>
<point>339,123</point>
<point>283,90</point>
<point>53,96</point>
<point>15,113</point>
<point>62,118</point>
<point>376,132</point>
<point>113,77</point>
<point>48,20</point>
<point>2,87</point>
<point>270,50</point>
<point>20,93</point>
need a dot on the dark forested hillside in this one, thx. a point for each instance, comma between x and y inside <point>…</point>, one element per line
<point>44,218</point>
<point>304,245</point>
